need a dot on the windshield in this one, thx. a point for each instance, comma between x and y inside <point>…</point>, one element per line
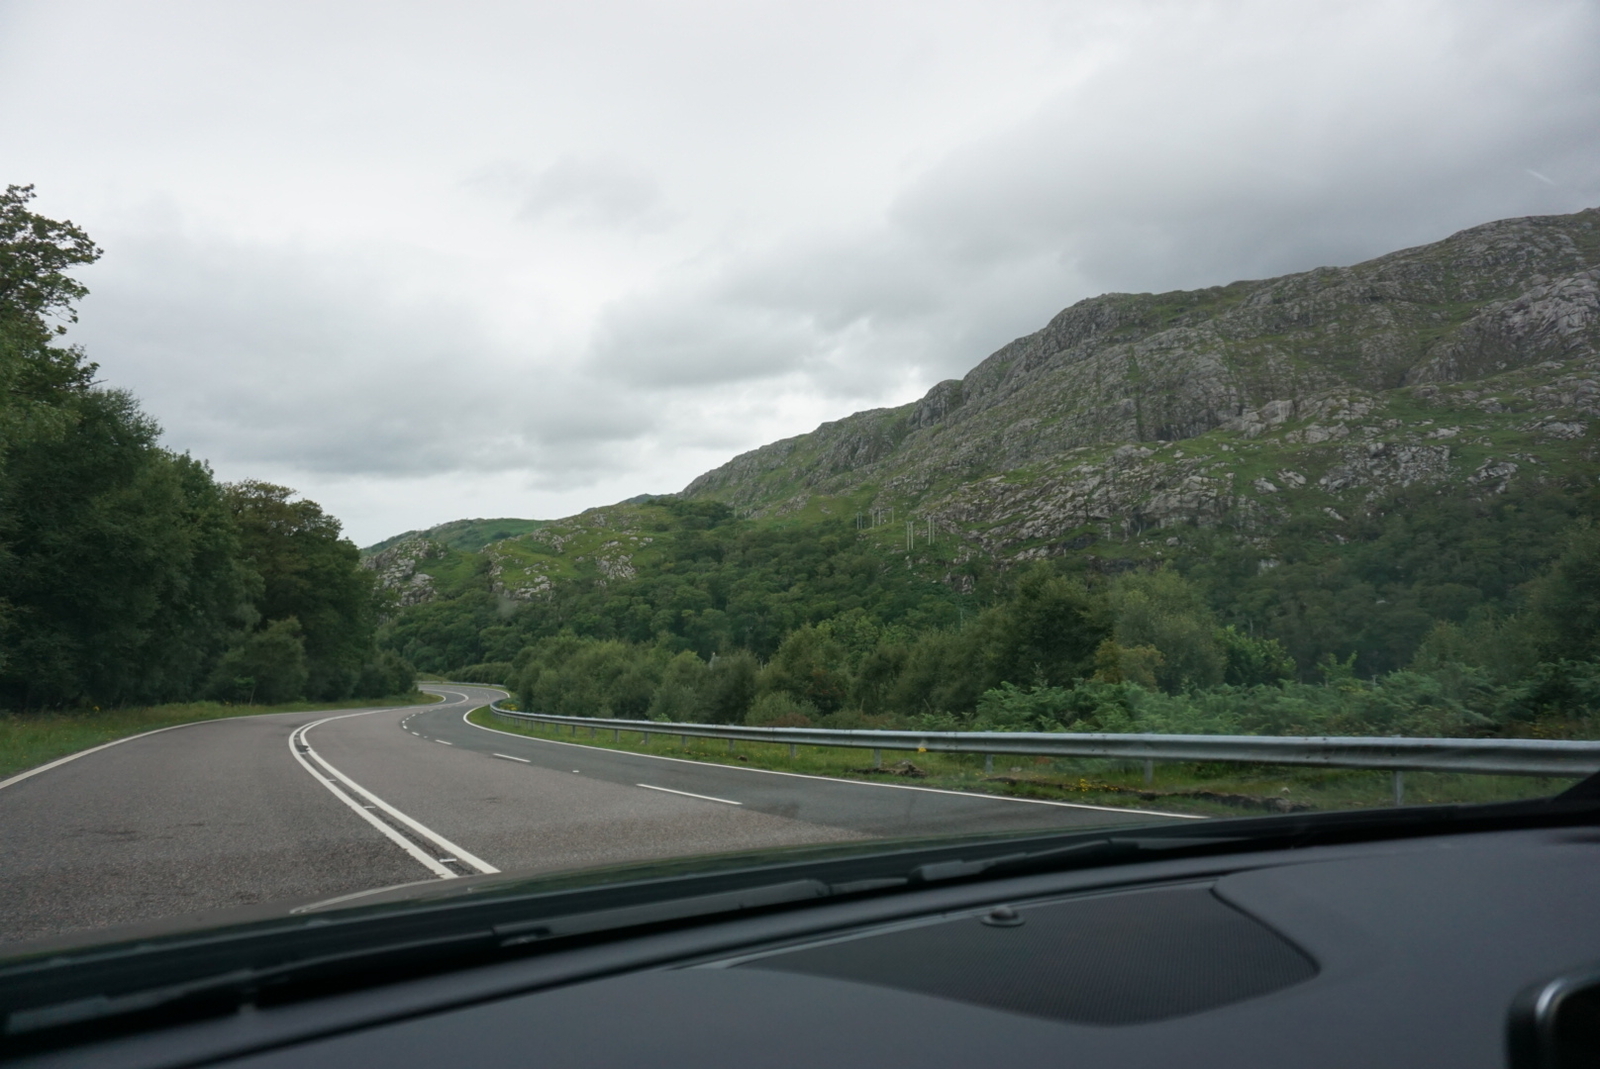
<point>903,422</point>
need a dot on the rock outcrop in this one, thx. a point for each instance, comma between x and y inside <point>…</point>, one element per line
<point>1334,372</point>
<point>398,569</point>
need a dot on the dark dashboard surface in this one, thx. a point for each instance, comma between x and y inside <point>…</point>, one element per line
<point>1397,953</point>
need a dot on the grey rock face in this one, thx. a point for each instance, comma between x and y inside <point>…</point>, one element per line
<point>1304,360</point>
<point>397,569</point>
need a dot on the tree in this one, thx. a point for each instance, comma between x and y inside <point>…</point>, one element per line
<point>730,688</point>
<point>268,665</point>
<point>1564,602</point>
<point>308,571</point>
<point>118,564</point>
<point>121,569</point>
<point>809,666</point>
<point>1164,611</point>
<point>1251,660</point>
<point>1047,633</point>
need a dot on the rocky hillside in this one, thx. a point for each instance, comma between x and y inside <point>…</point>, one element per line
<point>1472,361</point>
<point>466,535</point>
<point>1133,423</point>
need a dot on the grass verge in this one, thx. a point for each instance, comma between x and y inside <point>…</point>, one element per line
<point>30,740</point>
<point>1202,789</point>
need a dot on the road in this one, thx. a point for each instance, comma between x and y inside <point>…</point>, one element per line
<point>298,807</point>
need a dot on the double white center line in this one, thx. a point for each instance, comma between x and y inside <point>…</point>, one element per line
<point>343,787</point>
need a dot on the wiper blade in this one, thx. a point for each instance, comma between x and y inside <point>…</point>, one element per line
<point>228,991</point>
<point>670,909</point>
<point>1094,852</point>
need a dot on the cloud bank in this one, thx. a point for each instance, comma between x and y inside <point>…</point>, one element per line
<point>536,258</point>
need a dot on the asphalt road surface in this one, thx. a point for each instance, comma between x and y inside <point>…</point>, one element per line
<point>299,807</point>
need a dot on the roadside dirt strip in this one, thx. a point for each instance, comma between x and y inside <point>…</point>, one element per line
<point>304,807</point>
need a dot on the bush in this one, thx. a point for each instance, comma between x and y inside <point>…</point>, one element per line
<point>778,709</point>
<point>266,666</point>
<point>386,674</point>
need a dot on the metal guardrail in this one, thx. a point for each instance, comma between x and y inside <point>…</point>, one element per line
<point>1506,757</point>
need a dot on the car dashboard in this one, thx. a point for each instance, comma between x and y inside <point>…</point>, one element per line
<point>1409,952</point>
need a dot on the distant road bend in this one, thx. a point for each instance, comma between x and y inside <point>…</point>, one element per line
<point>298,807</point>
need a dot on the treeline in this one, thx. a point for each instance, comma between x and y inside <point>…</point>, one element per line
<point>1142,652</point>
<point>128,574</point>
<point>1436,613</point>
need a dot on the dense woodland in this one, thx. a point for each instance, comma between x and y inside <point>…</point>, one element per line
<point>128,574</point>
<point>1445,615</point>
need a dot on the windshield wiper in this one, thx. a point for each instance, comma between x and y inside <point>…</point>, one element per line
<point>670,909</point>
<point>1107,850</point>
<point>229,991</point>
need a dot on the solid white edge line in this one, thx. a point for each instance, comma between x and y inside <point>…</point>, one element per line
<point>508,757</point>
<point>47,766</point>
<point>399,840</point>
<point>20,776</point>
<point>689,794</point>
<point>831,779</point>
<point>449,848</point>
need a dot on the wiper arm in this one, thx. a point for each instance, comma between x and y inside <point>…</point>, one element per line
<point>1094,852</point>
<point>228,991</point>
<point>1265,833</point>
<point>670,909</point>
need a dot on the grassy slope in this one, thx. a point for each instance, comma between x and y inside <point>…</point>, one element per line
<point>1204,790</point>
<point>29,741</point>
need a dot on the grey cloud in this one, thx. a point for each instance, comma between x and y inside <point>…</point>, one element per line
<point>257,355</point>
<point>589,191</point>
<point>697,338</point>
<point>1286,156</point>
<point>1249,143</point>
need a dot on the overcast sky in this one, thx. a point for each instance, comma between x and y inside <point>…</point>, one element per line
<point>428,261</point>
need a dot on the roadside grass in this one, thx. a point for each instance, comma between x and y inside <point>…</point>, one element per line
<point>28,740</point>
<point>1213,790</point>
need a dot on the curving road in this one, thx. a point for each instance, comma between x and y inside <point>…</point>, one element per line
<point>297,807</point>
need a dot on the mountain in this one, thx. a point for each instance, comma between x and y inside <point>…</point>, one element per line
<point>1471,362</point>
<point>1136,427</point>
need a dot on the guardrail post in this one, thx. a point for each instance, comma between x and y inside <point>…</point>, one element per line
<point>683,741</point>
<point>1399,787</point>
<point>591,731</point>
<point>988,764</point>
<point>877,757</point>
<point>644,738</point>
<point>792,751</point>
<point>730,746</point>
<point>1149,772</point>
